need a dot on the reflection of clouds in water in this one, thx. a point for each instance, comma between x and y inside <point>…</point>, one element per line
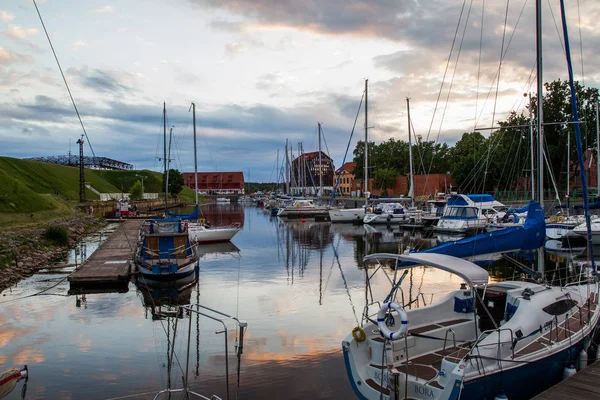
<point>28,356</point>
<point>105,377</point>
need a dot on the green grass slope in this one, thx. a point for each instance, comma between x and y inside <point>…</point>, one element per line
<point>123,180</point>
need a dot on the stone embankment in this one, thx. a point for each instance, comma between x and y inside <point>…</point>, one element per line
<point>24,251</point>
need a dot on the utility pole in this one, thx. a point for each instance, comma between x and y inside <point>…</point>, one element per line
<point>81,172</point>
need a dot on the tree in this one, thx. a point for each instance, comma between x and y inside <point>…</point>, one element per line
<point>384,179</point>
<point>467,165</point>
<point>176,182</point>
<point>135,191</point>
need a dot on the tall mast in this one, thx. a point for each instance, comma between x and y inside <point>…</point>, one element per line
<point>597,151</point>
<point>366,185</point>
<point>540,96</point>
<point>167,173</point>
<point>320,165</point>
<point>532,151</point>
<point>195,155</point>
<point>287,172</point>
<point>165,154</point>
<point>540,120</point>
<point>411,191</point>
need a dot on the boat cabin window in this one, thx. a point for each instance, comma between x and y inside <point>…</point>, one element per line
<point>560,307</point>
<point>493,307</point>
<point>461,212</point>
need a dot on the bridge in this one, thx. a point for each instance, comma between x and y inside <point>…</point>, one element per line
<point>88,162</point>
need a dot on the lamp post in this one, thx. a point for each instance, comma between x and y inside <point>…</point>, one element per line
<point>141,176</point>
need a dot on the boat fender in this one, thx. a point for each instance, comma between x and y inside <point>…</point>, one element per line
<point>383,328</point>
<point>583,360</point>
<point>359,334</point>
<point>569,371</point>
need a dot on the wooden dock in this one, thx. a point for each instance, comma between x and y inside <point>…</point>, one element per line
<point>110,264</point>
<point>584,385</point>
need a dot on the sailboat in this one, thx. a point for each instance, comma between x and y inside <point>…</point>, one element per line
<point>164,251</point>
<point>357,214</point>
<point>510,339</point>
<point>199,231</point>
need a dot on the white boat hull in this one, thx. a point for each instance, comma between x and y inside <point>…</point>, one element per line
<point>347,215</point>
<point>201,234</point>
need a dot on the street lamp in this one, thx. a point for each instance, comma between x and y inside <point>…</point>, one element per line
<point>141,176</point>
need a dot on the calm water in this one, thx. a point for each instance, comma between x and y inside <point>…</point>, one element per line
<point>300,285</point>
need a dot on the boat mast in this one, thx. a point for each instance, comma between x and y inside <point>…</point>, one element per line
<point>366,185</point>
<point>540,119</point>
<point>165,154</point>
<point>597,151</point>
<point>532,151</point>
<point>287,172</point>
<point>411,191</point>
<point>195,155</point>
<point>320,165</point>
<point>540,95</point>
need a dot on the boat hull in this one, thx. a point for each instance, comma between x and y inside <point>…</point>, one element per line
<point>347,215</point>
<point>183,272</point>
<point>202,235</point>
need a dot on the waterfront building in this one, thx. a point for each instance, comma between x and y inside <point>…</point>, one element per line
<point>216,182</point>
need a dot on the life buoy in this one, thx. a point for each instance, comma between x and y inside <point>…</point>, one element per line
<point>383,328</point>
<point>359,334</point>
<point>201,220</point>
<point>553,218</point>
<point>561,219</point>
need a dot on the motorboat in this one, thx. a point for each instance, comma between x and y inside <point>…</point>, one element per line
<point>469,213</point>
<point>303,208</point>
<point>354,215</point>
<point>164,251</point>
<point>511,338</point>
<point>581,231</point>
<point>392,213</point>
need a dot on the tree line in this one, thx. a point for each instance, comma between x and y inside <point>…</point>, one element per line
<point>500,160</point>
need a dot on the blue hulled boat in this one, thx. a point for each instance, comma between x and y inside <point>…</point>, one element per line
<point>164,252</point>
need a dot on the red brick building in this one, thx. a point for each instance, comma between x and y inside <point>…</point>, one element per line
<point>425,186</point>
<point>216,182</point>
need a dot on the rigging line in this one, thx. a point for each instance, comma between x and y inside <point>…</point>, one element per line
<point>64,79</point>
<point>446,70</point>
<point>503,56</point>
<point>560,39</point>
<point>479,65</point>
<point>498,82</point>
<point>450,88</point>
<point>580,43</point>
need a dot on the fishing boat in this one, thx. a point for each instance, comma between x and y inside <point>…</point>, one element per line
<point>481,340</point>
<point>165,252</point>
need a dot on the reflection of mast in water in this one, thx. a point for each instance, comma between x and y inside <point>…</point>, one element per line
<point>197,372</point>
<point>320,269</point>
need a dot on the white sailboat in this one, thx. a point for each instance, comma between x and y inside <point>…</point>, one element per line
<point>357,214</point>
<point>198,231</point>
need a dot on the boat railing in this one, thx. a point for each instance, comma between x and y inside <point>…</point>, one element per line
<point>217,316</point>
<point>478,346</point>
<point>449,330</point>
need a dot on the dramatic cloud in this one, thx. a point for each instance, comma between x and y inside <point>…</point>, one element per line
<point>105,81</point>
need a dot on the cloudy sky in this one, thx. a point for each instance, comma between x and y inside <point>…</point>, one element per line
<point>263,71</point>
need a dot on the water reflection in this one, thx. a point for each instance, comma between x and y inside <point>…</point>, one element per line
<point>301,287</point>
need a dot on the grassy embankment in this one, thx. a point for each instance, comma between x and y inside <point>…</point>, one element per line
<point>33,192</point>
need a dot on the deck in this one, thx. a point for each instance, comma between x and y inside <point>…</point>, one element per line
<point>584,385</point>
<point>110,264</point>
